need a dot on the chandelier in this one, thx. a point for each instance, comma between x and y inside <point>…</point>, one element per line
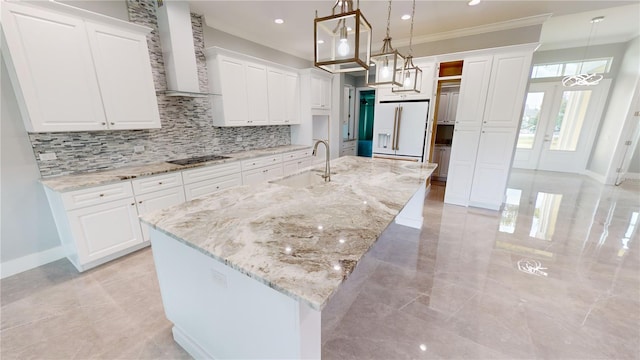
<point>585,79</point>
<point>342,39</point>
<point>387,62</point>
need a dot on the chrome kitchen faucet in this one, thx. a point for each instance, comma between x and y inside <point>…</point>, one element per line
<point>327,166</point>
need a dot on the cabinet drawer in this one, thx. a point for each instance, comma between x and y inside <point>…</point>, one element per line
<point>261,162</point>
<point>96,195</point>
<point>207,187</point>
<point>257,176</point>
<point>210,172</point>
<point>155,183</point>
<point>294,155</point>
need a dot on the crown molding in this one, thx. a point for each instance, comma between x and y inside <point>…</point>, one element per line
<point>476,30</point>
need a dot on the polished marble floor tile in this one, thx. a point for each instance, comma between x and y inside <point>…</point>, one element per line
<point>554,275</point>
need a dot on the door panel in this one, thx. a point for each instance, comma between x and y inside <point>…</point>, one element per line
<point>537,109</point>
<point>473,91</point>
<point>412,122</point>
<point>461,165</point>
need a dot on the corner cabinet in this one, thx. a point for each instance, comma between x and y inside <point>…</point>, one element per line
<point>74,70</point>
<point>251,91</point>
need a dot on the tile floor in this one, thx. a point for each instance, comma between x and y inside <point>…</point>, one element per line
<point>555,275</point>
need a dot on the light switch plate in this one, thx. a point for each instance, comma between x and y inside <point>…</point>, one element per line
<point>48,156</point>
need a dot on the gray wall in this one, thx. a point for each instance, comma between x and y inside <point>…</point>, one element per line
<point>27,225</point>
<point>215,37</point>
<point>634,167</point>
<point>113,8</point>
<point>187,128</point>
<point>608,144</point>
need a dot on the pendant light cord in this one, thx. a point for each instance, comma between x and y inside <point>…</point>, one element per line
<point>388,18</point>
<point>413,13</point>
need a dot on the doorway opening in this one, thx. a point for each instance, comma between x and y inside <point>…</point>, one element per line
<point>366,106</point>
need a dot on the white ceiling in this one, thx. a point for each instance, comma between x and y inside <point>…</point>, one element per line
<point>568,25</point>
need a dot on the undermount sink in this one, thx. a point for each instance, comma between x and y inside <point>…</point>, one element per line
<point>303,179</point>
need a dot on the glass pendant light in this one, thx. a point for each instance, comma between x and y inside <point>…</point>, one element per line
<point>386,63</point>
<point>342,39</point>
<point>411,75</point>
<point>585,79</point>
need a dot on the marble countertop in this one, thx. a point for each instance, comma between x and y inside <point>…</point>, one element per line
<point>88,179</point>
<point>300,241</point>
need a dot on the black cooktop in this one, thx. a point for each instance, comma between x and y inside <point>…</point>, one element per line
<point>197,160</point>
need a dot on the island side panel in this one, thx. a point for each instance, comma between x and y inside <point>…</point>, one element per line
<point>219,312</point>
<point>411,213</point>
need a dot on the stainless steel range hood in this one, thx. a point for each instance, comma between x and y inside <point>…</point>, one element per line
<point>178,51</point>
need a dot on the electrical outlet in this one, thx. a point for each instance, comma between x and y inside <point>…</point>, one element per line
<point>48,156</point>
<point>138,149</point>
<point>239,138</point>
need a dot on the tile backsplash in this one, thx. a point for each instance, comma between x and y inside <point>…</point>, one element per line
<point>187,128</point>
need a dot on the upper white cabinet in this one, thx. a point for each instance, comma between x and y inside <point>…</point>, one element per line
<point>320,92</point>
<point>447,107</point>
<point>473,91</point>
<point>283,97</point>
<point>250,91</point>
<point>426,89</point>
<point>77,73</point>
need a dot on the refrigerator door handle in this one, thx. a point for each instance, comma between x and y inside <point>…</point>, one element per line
<point>397,129</point>
<point>395,123</point>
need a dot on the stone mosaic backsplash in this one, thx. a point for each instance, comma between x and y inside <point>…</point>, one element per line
<point>186,131</point>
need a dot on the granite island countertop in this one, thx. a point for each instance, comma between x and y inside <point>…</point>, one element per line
<point>88,179</point>
<point>301,241</point>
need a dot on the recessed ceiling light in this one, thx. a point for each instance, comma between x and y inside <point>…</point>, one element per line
<point>278,21</point>
<point>474,2</point>
<point>405,17</point>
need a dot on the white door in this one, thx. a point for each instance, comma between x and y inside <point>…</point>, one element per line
<point>564,135</point>
<point>124,74</point>
<point>52,61</point>
<point>464,148</point>
<point>105,229</point>
<point>257,89</point>
<point>411,128</point>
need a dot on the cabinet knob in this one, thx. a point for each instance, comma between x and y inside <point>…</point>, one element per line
<point>159,182</point>
<point>104,123</point>
<point>484,122</point>
<point>113,123</point>
<point>217,187</point>
<point>133,204</point>
<point>101,195</point>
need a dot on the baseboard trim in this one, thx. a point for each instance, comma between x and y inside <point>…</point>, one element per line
<point>15,266</point>
<point>595,176</point>
<point>632,176</point>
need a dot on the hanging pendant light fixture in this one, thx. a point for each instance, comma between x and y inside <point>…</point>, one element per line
<point>585,79</point>
<point>342,39</point>
<point>387,62</point>
<point>411,75</point>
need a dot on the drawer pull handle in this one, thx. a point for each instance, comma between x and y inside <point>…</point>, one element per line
<point>253,163</point>
<point>140,202</point>
<point>101,195</point>
<point>104,123</point>
<point>132,204</point>
<point>113,123</point>
<point>159,182</point>
<point>217,187</point>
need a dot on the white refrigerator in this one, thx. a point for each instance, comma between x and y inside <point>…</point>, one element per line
<point>400,129</point>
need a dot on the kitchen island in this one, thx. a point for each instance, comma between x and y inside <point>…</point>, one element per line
<point>245,273</point>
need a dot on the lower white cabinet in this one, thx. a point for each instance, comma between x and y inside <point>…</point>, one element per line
<point>291,167</point>
<point>441,156</point>
<point>260,175</point>
<point>157,200</point>
<point>210,186</point>
<point>462,164</point>
<point>97,224</point>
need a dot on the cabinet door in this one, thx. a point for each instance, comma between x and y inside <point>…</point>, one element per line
<point>464,147</point>
<point>158,200</point>
<point>320,92</point>
<point>443,108</point>
<point>473,91</point>
<point>234,91</point>
<point>509,76</point>
<point>291,99</point>
<point>210,186</point>
<point>51,61</point>
<point>276,97</point>
<point>124,75</point>
<point>452,107</point>
<point>492,167</point>
<point>105,229</point>
<point>257,89</point>
<point>436,159</point>
<point>445,157</point>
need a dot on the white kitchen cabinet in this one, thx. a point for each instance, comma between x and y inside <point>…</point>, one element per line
<point>284,97</point>
<point>257,94</point>
<point>125,77</point>
<point>464,147</point>
<point>260,175</point>
<point>426,89</point>
<point>509,77</point>
<point>492,167</point>
<point>447,107</point>
<point>441,156</point>
<point>96,224</point>
<point>74,72</point>
<point>157,192</point>
<point>320,92</point>
<point>210,179</point>
<point>476,73</point>
<point>349,148</point>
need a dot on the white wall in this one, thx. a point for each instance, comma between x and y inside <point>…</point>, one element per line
<point>609,146</point>
<point>28,235</point>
